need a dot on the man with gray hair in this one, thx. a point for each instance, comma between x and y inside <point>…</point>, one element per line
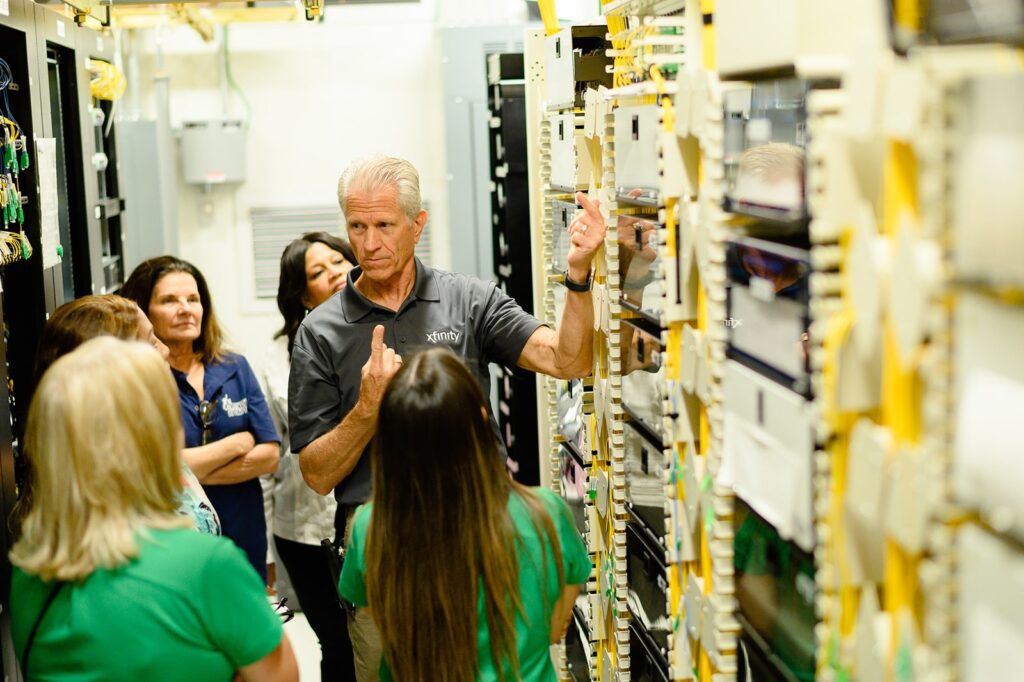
<point>348,348</point>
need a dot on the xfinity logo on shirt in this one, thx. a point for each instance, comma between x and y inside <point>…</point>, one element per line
<point>233,409</point>
<point>444,336</point>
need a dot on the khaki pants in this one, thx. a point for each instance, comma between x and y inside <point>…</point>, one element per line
<point>366,646</point>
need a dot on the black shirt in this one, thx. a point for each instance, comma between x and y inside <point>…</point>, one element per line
<point>478,321</point>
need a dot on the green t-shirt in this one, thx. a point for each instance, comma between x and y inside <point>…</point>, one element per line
<point>532,632</point>
<point>188,607</point>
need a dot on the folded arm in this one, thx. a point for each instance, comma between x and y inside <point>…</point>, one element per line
<point>260,460</point>
<point>205,459</point>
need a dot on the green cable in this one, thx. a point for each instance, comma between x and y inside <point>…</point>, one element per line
<point>231,78</point>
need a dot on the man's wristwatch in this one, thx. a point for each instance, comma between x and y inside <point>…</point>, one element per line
<point>578,286</point>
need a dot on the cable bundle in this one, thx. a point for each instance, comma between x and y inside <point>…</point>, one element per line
<point>14,247</point>
<point>108,82</point>
<point>14,158</point>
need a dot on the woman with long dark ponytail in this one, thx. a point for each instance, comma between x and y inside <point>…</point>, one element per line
<point>468,574</point>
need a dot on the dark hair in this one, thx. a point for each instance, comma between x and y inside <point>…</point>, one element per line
<point>142,281</point>
<point>77,321</point>
<point>435,408</point>
<point>291,287</point>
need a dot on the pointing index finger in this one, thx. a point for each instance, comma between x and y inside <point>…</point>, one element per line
<point>590,206</point>
<point>377,344</point>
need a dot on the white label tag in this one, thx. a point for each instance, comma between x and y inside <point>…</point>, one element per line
<point>5,7</point>
<point>762,289</point>
<point>61,28</point>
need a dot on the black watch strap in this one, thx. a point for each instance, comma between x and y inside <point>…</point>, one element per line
<point>581,287</point>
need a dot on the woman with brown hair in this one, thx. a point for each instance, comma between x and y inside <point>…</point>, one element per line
<point>230,440</point>
<point>468,574</point>
<point>77,321</point>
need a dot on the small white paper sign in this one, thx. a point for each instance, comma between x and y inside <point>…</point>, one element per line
<point>49,202</point>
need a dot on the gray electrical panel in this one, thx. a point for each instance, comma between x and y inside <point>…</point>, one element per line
<point>149,183</point>
<point>213,152</point>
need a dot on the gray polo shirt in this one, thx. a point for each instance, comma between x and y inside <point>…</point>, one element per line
<point>474,318</point>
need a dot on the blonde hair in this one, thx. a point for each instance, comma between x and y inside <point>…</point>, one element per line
<point>378,172</point>
<point>103,436</point>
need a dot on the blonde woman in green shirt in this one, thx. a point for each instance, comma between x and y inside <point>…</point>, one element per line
<point>467,574</point>
<point>110,583</point>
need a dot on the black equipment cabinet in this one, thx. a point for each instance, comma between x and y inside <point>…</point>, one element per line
<point>49,98</point>
<point>27,294</point>
<point>510,222</point>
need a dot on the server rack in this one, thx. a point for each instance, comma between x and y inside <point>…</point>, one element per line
<point>510,222</point>
<point>26,292</point>
<point>50,98</point>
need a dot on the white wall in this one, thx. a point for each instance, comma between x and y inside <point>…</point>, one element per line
<point>365,81</point>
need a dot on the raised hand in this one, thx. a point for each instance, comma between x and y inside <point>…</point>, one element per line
<point>383,363</point>
<point>586,235</point>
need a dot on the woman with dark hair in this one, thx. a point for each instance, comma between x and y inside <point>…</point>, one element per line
<point>435,457</point>
<point>313,268</point>
<point>230,440</point>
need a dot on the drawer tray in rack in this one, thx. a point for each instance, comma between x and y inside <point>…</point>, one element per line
<point>643,377</point>
<point>575,484</point>
<point>562,213</point>
<point>645,486</point>
<point>571,168</point>
<point>575,59</point>
<point>642,269</point>
<point>768,314</point>
<point>971,21</point>
<point>636,152</point>
<point>578,649</point>
<point>571,421</point>
<point>768,451</point>
<point>648,580</point>
<point>776,595</point>
<point>765,146</point>
<point>647,662</point>
<point>987,201</point>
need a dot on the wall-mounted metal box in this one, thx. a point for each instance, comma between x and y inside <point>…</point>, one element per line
<point>213,152</point>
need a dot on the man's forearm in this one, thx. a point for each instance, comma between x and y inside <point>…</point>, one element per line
<point>262,459</point>
<point>574,352</point>
<point>328,460</point>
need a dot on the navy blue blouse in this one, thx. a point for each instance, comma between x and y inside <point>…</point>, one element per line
<point>237,405</point>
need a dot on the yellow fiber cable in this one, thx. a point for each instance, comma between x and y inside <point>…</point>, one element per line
<point>549,16</point>
<point>707,7</point>
<point>108,82</point>
<point>907,15</point>
<point>13,128</point>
